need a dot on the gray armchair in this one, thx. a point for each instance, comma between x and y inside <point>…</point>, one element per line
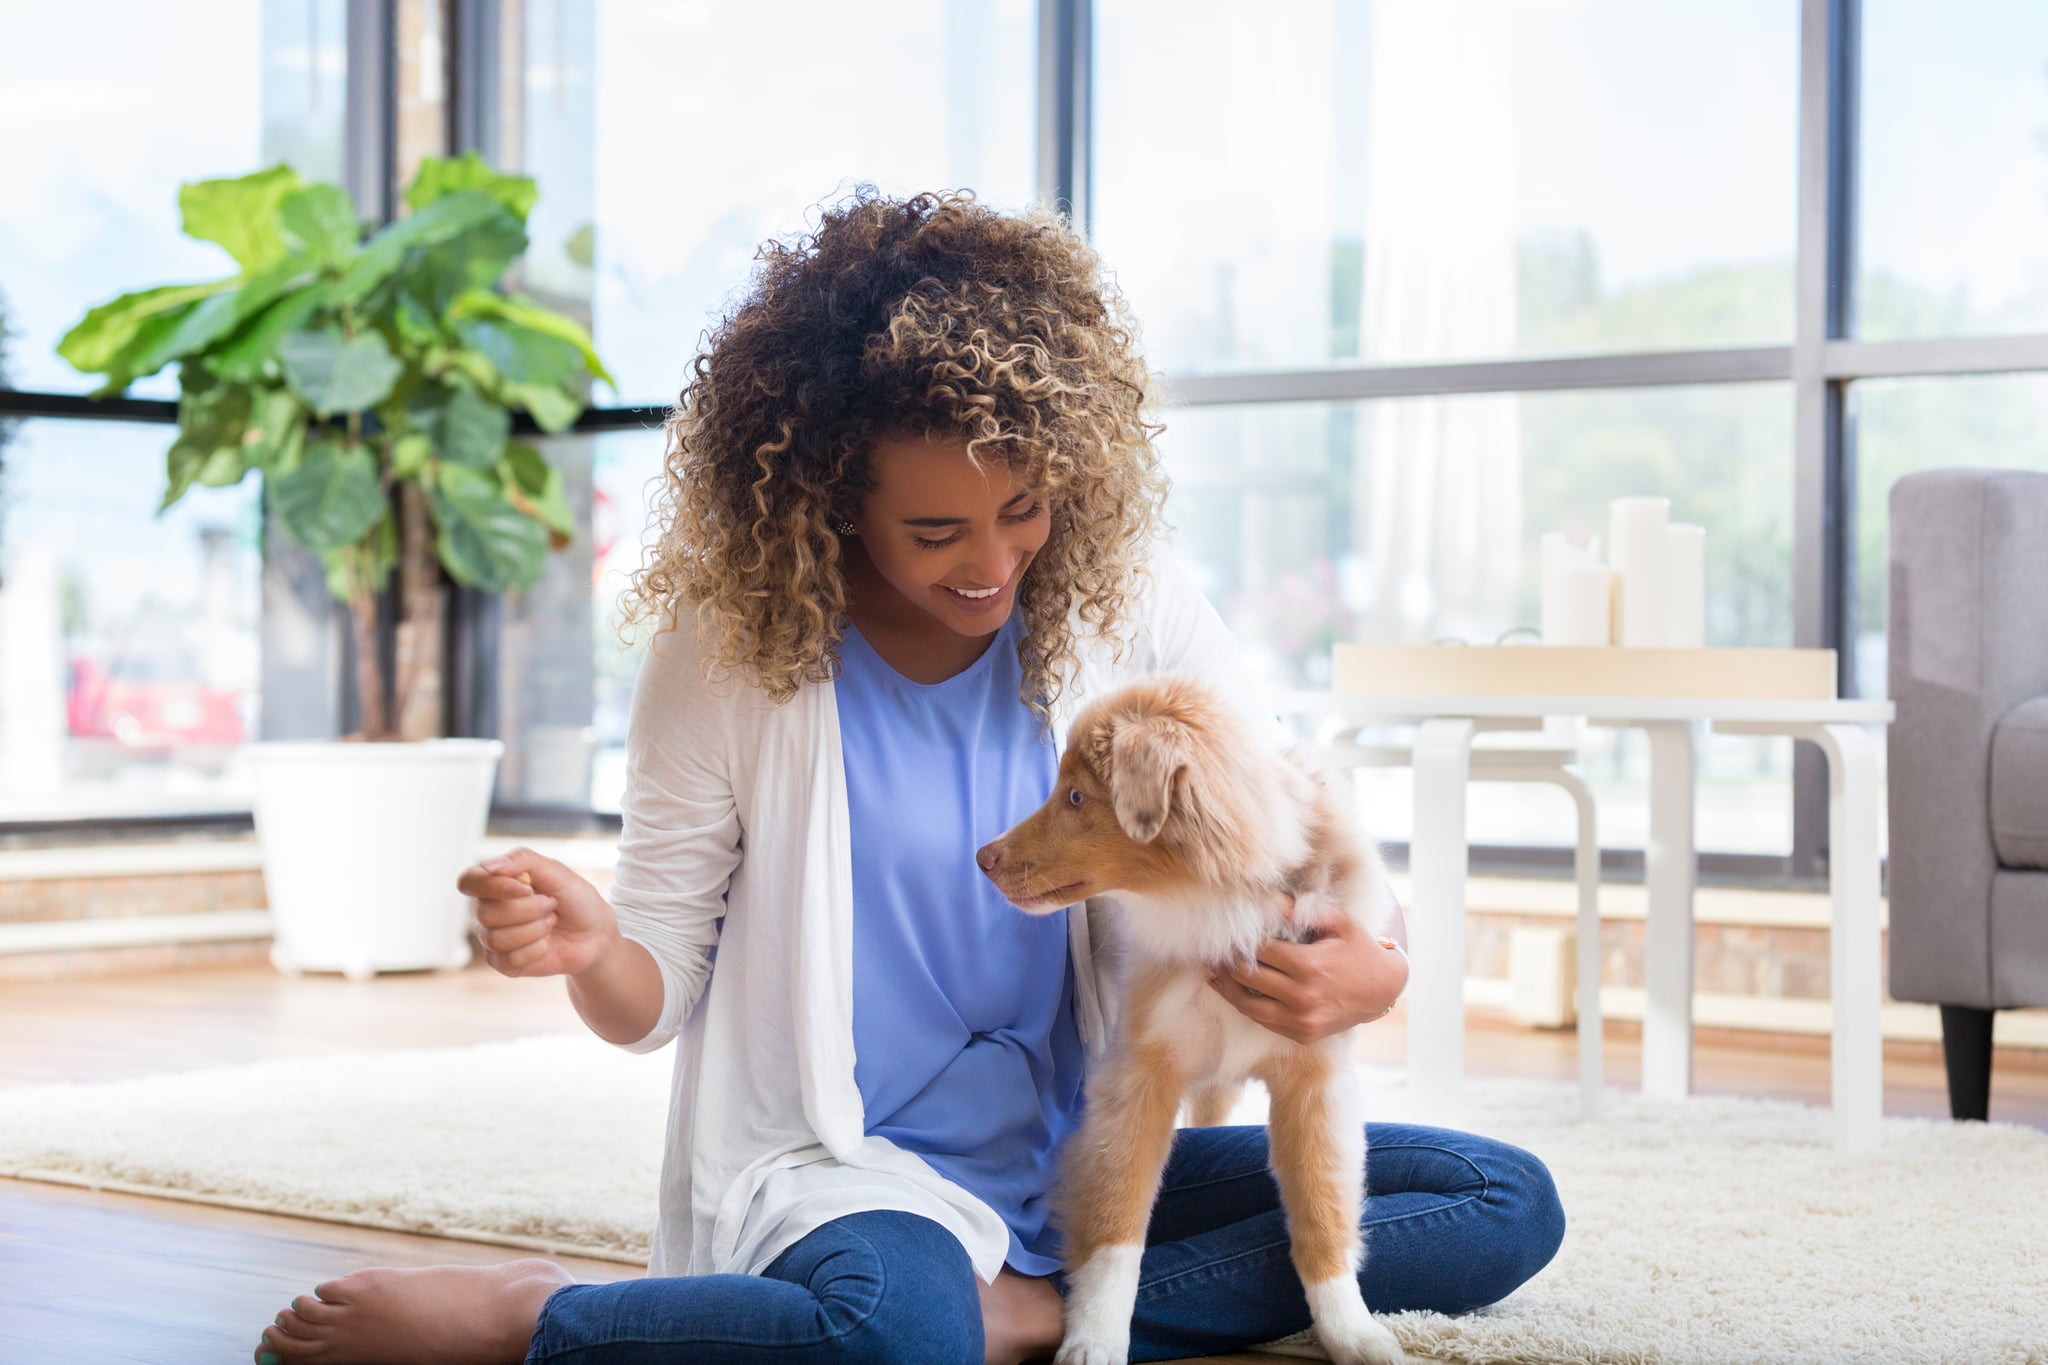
<point>1969,756</point>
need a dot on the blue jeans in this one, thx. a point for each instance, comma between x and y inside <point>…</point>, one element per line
<point>1453,1221</point>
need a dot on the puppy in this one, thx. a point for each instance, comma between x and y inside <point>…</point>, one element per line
<point>1165,798</point>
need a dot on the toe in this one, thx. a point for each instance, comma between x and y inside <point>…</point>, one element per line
<point>279,1343</point>
<point>314,1311</point>
<point>333,1291</point>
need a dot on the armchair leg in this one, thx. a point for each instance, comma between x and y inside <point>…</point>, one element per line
<point>1966,1048</point>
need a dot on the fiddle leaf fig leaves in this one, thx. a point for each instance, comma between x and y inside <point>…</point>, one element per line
<point>320,220</point>
<point>338,373</point>
<point>342,366</point>
<point>473,429</point>
<point>332,498</point>
<point>240,215</point>
<point>485,541</point>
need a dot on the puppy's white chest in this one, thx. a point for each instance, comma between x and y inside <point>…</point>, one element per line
<point>1208,1036</point>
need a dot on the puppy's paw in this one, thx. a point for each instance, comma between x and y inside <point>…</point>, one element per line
<point>1088,1351</point>
<point>1347,1329</point>
<point>1361,1343</point>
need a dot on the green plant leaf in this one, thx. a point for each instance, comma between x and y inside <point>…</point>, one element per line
<point>535,488</point>
<point>336,373</point>
<point>553,410</point>
<point>415,325</point>
<point>196,329</point>
<point>527,467</point>
<point>240,214</point>
<point>524,312</point>
<point>320,220</point>
<point>484,540</point>
<point>475,259</point>
<point>332,497</point>
<point>426,404</point>
<point>94,345</point>
<point>181,467</point>
<point>276,431</point>
<point>222,466</point>
<point>410,454</point>
<point>374,557</point>
<point>438,222</point>
<point>211,414</point>
<point>255,347</point>
<point>520,353</point>
<point>473,429</point>
<point>440,176</point>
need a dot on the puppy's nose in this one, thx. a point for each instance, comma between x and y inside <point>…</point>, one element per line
<point>989,855</point>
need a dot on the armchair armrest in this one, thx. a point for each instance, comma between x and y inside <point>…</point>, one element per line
<point>1968,641</point>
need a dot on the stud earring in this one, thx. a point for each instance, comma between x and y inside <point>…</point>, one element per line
<point>844,528</point>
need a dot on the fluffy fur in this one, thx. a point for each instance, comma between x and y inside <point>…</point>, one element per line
<point>1165,799</point>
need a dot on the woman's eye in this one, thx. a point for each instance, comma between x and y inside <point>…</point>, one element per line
<point>1036,510</point>
<point>1074,796</point>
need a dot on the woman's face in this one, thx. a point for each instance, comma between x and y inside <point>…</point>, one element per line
<point>951,538</point>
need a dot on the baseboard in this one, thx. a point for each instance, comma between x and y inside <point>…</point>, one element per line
<point>1898,1021</point>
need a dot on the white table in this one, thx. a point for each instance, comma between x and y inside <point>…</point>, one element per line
<point>1439,852</point>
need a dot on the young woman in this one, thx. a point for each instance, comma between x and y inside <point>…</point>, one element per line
<point>910,508</point>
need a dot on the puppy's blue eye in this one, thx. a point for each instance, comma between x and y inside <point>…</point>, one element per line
<point>1074,796</point>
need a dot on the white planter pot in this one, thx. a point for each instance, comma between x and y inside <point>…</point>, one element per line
<point>361,847</point>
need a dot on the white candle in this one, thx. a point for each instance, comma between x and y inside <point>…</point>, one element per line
<point>1585,606</point>
<point>1559,554</point>
<point>1635,539</point>
<point>1685,586</point>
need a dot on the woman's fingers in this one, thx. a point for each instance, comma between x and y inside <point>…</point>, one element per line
<point>516,936</point>
<point>500,914</point>
<point>491,886</point>
<point>530,954</point>
<point>521,865</point>
<point>1265,980</point>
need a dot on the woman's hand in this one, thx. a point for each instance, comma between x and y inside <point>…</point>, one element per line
<point>537,918</point>
<point>1306,992</point>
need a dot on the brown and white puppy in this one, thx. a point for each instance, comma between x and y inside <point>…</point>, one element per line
<point>1167,799</point>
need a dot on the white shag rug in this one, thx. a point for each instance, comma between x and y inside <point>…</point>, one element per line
<point>1707,1230</point>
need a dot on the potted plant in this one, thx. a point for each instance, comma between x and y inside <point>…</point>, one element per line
<point>372,385</point>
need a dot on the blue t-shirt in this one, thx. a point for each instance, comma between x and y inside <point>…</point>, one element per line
<point>965,1047</point>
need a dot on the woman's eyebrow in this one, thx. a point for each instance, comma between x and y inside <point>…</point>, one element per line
<point>960,521</point>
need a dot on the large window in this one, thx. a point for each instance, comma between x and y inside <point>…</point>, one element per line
<point>1417,519</point>
<point>128,673</point>
<point>670,140</point>
<point>1953,221</point>
<point>567,666</point>
<point>129,641</point>
<point>1401,180</point>
<point>1425,279</point>
<point>106,107</point>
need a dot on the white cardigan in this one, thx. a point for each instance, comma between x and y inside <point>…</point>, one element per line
<point>735,851</point>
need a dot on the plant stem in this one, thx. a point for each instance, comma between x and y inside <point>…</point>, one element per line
<point>362,610</point>
<point>422,602</point>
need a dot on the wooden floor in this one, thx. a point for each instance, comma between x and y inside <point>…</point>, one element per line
<point>88,1276</point>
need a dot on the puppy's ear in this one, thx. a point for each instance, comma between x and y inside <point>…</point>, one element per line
<point>1145,758</point>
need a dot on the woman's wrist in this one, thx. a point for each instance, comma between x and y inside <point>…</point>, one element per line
<point>1394,999</point>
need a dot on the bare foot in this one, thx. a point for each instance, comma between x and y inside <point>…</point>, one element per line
<point>1022,1318</point>
<point>453,1314</point>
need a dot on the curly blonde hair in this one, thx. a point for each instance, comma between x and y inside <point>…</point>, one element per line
<point>927,316</point>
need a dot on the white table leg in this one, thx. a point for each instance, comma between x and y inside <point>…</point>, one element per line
<point>1854,937</point>
<point>1669,872</point>
<point>1586,870</point>
<point>1437,863</point>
